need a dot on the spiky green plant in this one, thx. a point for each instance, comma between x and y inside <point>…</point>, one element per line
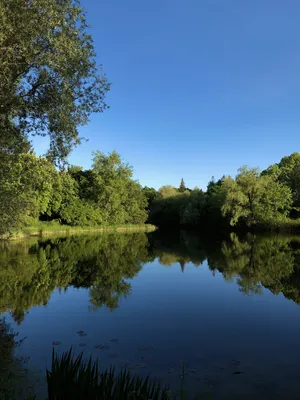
<point>74,378</point>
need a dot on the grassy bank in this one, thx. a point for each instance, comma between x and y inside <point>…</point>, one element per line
<point>49,228</point>
<point>283,226</point>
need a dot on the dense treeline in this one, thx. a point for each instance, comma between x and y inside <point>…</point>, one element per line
<point>269,199</point>
<point>33,189</point>
<point>106,263</point>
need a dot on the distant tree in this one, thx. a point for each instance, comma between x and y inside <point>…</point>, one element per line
<point>194,206</point>
<point>150,194</point>
<point>182,187</point>
<point>167,191</point>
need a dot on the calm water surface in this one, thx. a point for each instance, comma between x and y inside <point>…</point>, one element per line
<point>226,309</point>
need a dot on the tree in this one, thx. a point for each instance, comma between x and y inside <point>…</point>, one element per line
<point>287,171</point>
<point>167,191</point>
<point>150,194</point>
<point>255,199</point>
<point>49,80</point>
<point>182,187</point>
<point>120,198</point>
<point>26,183</point>
<point>192,213</point>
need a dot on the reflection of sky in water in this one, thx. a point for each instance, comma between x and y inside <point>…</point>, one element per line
<point>192,316</point>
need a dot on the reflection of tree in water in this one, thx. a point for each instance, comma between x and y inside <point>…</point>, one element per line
<point>256,262</point>
<point>29,273</point>
<point>177,247</point>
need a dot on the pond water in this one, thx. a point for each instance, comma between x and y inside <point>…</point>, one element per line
<point>227,310</point>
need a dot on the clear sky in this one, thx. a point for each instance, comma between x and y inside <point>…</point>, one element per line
<point>199,87</point>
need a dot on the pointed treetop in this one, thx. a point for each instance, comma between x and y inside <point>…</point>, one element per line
<point>182,187</point>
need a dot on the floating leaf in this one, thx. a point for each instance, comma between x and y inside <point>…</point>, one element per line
<point>102,347</point>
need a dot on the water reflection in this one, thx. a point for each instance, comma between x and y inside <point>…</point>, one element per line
<point>30,272</point>
<point>254,261</point>
<point>105,264</point>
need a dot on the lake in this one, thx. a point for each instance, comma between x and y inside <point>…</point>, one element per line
<point>224,310</point>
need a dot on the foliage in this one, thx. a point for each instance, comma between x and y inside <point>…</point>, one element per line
<point>72,377</point>
<point>26,188</point>
<point>287,171</point>
<point>254,199</point>
<point>150,194</point>
<point>49,80</point>
<point>269,200</point>
<point>33,189</point>
<point>174,208</point>
<point>182,187</point>
<point>167,191</point>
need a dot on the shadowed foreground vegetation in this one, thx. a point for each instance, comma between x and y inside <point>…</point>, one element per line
<point>71,377</point>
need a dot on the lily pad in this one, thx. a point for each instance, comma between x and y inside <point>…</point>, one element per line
<point>143,348</point>
<point>146,358</point>
<point>102,347</point>
<point>81,333</point>
<point>141,365</point>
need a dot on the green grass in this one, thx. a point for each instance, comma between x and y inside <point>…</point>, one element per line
<point>51,228</point>
<point>286,225</point>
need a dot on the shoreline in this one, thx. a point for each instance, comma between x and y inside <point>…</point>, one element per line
<point>73,230</point>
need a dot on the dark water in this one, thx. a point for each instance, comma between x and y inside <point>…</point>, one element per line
<point>228,310</point>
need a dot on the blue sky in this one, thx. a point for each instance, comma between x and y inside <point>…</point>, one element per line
<point>199,87</point>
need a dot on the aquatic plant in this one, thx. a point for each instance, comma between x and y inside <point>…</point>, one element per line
<point>71,377</point>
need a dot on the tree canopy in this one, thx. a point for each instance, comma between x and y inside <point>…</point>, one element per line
<point>49,80</point>
<point>182,187</point>
<point>255,198</point>
<point>33,189</point>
